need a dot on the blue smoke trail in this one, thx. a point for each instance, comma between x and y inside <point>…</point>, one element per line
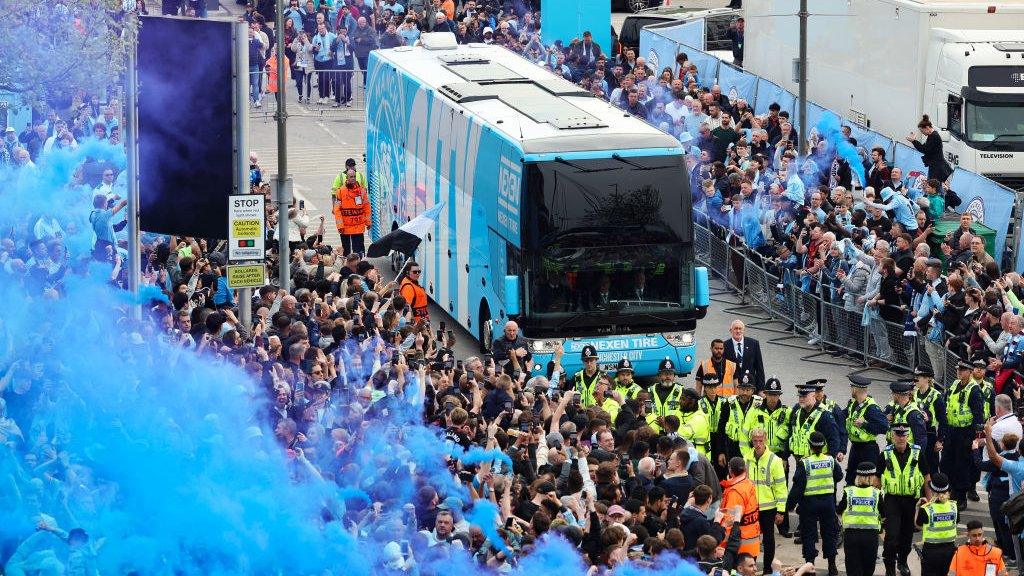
<point>830,129</point>
<point>484,514</point>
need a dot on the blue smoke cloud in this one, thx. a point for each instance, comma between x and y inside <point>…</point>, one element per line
<point>830,128</point>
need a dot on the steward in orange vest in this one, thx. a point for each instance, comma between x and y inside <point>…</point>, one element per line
<point>738,490</point>
<point>413,293</point>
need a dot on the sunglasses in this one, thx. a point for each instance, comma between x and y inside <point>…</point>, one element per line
<point>415,271</point>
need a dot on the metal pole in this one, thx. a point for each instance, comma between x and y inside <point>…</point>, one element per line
<point>283,196</point>
<point>132,154</point>
<point>802,114</point>
<point>241,76</point>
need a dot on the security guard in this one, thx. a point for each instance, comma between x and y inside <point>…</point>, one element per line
<point>624,383</point>
<point>938,519</point>
<point>766,471</point>
<point>964,411</point>
<point>717,410</point>
<point>739,408</point>
<point>837,414</point>
<point>773,416</point>
<point>988,396</point>
<point>903,477</point>
<point>586,379</point>
<point>813,496</point>
<point>664,396</point>
<point>807,417</point>
<point>902,411</point>
<point>861,521</point>
<point>693,422</point>
<point>864,422</point>
<point>930,399</point>
<point>718,365</point>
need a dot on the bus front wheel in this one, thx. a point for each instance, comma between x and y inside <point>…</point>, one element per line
<point>486,329</point>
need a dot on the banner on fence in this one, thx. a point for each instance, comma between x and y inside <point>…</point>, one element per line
<point>987,201</point>
<point>689,34</point>
<point>909,160</point>
<point>707,66</point>
<point>768,92</point>
<point>869,139</point>
<point>659,51</point>
<point>736,83</point>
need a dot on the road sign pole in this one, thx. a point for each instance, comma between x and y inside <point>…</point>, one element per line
<point>242,186</point>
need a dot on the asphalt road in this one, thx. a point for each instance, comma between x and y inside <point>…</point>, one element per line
<point>320,138</point>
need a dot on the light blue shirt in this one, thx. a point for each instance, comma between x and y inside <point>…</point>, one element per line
<point>324,42</point>
<point>1014,469</point>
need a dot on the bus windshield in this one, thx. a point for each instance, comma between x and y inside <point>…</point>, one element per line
<point>607,237</point>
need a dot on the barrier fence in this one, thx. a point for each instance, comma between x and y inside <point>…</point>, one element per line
<point>831,324</point>
<point>259,90</point>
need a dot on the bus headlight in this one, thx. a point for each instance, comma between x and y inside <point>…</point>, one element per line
<point>679,339</point>
<point>545,346</point>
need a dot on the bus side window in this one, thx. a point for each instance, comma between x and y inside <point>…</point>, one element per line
<point>954,107</point>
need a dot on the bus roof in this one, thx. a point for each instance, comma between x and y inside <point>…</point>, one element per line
<point>526,103</point>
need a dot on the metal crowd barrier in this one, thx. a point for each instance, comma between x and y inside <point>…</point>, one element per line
<point>268,100</point>
<point>837,329</point>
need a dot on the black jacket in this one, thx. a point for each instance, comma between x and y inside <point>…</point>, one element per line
<point>695,524</point>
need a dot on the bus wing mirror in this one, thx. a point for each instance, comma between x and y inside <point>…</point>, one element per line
<point>511,295</point>
<point>701,292</point>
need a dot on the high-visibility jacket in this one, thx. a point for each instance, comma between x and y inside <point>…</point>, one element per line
<point>664,407</point>
<point>628,391</point>
<point>586,385</point>
<point>339,181</point>
<point>941,525</point>
<point>713,408</point>
<point>769,477</point>
<point>612,408</point>
<point>775,423</point>
<point>987,388</point>
<point>726,381</point>
<point>853,413</point>
<point>901,415</point>
<point>929,405</point>
<point>800,436</point>
<point>693,426</point>
<point>958,412</point>
<point>735,428</point>
<point>973,560</point>
<point>905,480</point>
<point>862,508</point>
<point>740,491</point>
<point>416,296</point>
<point>820,479</point>
<point>352,210</point>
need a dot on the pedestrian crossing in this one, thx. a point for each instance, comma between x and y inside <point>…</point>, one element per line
<point>311,160</point>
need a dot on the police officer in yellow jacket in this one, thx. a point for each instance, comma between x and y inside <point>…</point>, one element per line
<point>585,381</point>
<point>765,470</point>
<point>864,422</point>
<point>813,496</point>
<point>861,521</point>
<point>739,407</point>
<point>931,400</point>
<point>624,383</point>
<point>964,412</point>
<point>938,519</point>
<point>665,396</point>
<point>773,416</point>
<point>903,469</point>
<point>693,422</point>
<point>717,410</point>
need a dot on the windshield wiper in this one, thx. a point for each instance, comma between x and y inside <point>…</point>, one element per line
<point>561,160</point>
<point>620,158</point>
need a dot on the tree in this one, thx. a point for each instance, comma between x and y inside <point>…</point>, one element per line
<point>52,51</point>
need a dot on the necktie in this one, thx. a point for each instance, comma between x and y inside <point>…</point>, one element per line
<point>739,352</point>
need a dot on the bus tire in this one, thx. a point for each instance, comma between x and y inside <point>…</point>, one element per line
<point>486,329</point>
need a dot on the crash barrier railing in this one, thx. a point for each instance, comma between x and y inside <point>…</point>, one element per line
<point>661,44</point>
<point>831,324</point>
<point>259,92</point>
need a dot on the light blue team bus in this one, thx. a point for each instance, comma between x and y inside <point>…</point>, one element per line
<point>561,211</point>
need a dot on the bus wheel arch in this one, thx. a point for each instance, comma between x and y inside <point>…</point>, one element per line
<point>486,327</point>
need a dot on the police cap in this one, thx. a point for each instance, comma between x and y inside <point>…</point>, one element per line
<point>624,364</point>
<point>963,365</point>
<point>901,387</point>
<point>939,482</point>
<point>588,353</point>
<point>924,370</point>
<point>666,365</point>
<point>710,381</point>
<point>900,429</point>
<point>802,389</point>
<point>858,381</point>
<point>979,363</point>
<point>773,386</point>
<point>866,469</point>
<point>817,439</point>
<point>817,383</point>
<point>744,381</point>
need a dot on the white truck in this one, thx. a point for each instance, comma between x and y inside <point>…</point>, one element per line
<point>884,63</point>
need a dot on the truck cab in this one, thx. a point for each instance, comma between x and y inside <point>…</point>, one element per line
<point>975,91</point>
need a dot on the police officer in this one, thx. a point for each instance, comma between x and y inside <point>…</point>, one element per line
<point>964,411</point>
<point>988,396</point>
<point>717,410</point>
<point>864,422</point>
<point>624,383</point>
<point>903,477</point>
<point>938,519</point>
<point>834,409</point>
<point>931,401</point>
<point>861,520</point>
<point>664,396</point>
<point>902,411</point>
<point>585,381</point>
<point>773,416</point>
<point>809,416</point>
<point>768,474</point>
<point>813,496</point>
<point>739,408</point>
<point>693,422</point>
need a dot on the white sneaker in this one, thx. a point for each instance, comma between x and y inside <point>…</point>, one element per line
<point>814,340</point>
<point>348,104</point>
<point>335,105</point>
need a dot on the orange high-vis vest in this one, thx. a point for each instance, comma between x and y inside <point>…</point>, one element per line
<point>416,297</point>
<point>727,381</point>
<point>352,210</point>
<point>740,491</point>
<point>973,561</point>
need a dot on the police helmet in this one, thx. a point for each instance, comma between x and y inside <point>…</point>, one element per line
<point>588,353</point>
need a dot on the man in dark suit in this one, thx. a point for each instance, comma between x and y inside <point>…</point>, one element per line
<point>746,353</point>
<point>586,52</point>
